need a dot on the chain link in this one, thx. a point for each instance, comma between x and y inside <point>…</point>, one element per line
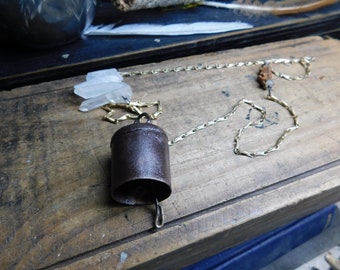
<point>303,61</point>
<point>218,120</point>
<point>136,108</point>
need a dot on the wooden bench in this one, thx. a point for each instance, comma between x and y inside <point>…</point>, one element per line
<point>55,205</point>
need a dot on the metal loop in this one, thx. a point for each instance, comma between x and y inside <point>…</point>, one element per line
<point>140,116</point>
<point>159,217</point>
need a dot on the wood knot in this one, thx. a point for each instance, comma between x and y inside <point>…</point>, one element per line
<point>265,77</point>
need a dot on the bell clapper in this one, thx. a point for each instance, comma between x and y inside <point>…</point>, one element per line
<point>159,217</point>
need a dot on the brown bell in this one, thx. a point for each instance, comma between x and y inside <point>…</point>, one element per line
<point>140,164</point>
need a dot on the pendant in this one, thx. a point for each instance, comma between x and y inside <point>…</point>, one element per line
<point>140,165</point>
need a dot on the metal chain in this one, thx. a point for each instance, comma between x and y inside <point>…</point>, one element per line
<point>304,61</point>
<point>136,109</point>
<point>259,121</point>
<point>219,120</point>
<point>268,84</point>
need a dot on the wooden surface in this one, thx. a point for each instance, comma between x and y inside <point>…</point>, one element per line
<point>55,207</point>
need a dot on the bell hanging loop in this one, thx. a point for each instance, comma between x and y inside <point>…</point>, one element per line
<point>140,116</point>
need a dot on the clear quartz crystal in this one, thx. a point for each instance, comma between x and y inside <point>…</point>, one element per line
<point>98,83</point>
<point>119,95</point>
<point>94,89</point>
<point>105,75</point>
<point>102,87</point>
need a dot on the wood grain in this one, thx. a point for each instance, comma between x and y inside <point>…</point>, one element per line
<point>55,208</point>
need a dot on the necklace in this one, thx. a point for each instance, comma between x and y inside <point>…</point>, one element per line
<point>140,158</point>
<point>264,79</point>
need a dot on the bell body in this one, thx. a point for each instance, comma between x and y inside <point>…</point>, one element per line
<point>140,164</point>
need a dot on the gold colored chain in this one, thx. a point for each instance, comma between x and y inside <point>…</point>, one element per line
<point>266,83</point>
<point>304,61</point>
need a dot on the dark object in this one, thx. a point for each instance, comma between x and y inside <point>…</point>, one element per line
<point>45,23</point>
<point>93,53</point>
<point>263,250</point>
<point>140,164</point>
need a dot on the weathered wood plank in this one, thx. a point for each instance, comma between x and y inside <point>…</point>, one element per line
<point>55,202</point>
<point>216,230</point>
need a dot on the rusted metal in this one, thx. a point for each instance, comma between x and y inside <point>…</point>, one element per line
<point>140,164</point>
<point>265,77</point>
